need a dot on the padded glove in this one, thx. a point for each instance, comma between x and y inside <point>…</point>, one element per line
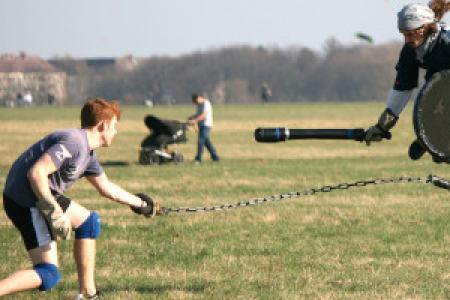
<point>376,133</point>
<point>59,222</point>
<point>151,209</point>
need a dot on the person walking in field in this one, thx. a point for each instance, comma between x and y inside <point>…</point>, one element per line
<point>427,46</point>
<point>204,119</point>
<point>33,200</point>
<point>266,93</point>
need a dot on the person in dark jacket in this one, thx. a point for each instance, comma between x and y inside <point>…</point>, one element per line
<point>427,46</point>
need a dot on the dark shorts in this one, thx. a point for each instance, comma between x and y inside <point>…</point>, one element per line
<point>31,223</point>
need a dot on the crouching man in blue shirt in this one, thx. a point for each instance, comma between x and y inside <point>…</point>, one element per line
<point>33,200</point>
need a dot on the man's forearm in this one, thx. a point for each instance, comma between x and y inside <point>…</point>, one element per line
<point>202,116</point>
<point>118,194</point>
<point>397,101</point>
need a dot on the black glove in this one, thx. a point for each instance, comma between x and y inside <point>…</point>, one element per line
<point>152,209</point>
<point>380,130</point>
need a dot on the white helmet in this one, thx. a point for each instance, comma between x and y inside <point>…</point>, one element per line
<point>413,16</point>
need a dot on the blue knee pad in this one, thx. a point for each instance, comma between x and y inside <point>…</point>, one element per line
<point>90,229</point>
<point>49,274</point>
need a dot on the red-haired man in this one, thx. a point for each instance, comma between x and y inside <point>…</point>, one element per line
<point>33,200</point>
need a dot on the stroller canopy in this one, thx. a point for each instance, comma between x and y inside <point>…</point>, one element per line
<point>162,127</point>
<point>164,132</point>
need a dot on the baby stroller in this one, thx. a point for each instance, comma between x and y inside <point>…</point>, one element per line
<point>155,148</point>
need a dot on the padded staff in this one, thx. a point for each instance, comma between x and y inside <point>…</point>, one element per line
<point>272,135</point>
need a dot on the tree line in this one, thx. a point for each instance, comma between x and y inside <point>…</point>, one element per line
<point>236,74</point>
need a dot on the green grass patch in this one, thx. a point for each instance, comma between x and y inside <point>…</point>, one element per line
<point>385,241</point>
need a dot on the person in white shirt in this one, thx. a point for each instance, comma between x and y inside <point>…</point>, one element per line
<point>28,99</point>
<point>204,120</point>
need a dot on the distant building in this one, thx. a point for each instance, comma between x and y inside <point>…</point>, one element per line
<point>126,63</point>
<point>100,62</point>
<point>22,73</point>
<point>24,63</point>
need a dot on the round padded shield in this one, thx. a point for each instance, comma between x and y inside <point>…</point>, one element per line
<point>431,116</point>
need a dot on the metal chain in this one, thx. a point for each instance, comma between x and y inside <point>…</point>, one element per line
<point>439,182</point>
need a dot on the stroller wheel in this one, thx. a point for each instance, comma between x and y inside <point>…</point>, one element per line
<point>143,158</point>
<point>148,158</point>
<point>153,159</point>
<point>178,158</point>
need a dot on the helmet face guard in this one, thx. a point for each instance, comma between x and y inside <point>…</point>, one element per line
<point>431,116</point>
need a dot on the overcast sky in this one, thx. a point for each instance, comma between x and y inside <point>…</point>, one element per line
<point>143,28</point>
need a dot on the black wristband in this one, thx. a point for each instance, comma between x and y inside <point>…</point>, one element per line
<point>387,120</point>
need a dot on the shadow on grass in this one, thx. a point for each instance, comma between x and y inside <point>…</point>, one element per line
<point>157,289</point>
<point>195,288</point>
<point>113,163</point>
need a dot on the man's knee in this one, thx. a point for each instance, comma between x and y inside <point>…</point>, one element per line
<point>90,229</point>
<point>49,274</point>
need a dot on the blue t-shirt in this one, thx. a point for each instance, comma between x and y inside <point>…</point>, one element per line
<point>435,60</point>
<point>70,152</point>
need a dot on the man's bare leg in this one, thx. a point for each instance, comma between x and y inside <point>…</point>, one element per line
<point>20,281</point>
<point>84,251</point>
<point>25,280</point>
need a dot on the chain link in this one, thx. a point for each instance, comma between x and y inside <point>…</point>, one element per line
<point>308,192</point>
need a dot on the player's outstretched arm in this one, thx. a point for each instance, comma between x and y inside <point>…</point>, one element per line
<point>139,203</point>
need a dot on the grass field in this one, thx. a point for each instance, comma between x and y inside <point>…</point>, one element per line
<point>377,242</point>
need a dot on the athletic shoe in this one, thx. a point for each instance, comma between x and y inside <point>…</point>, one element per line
<point>416,150</point>
<point>98,295</point>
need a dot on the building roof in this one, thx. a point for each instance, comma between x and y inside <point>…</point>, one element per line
<point>24,63</point>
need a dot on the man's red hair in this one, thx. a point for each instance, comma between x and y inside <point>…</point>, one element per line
<point>96,110</point>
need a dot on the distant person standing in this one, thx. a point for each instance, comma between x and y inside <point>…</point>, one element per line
<point>51,99</point>
<point>204,120</point>
<point>28,99</point>
<point>266,93</point>
<point>19,100</point>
